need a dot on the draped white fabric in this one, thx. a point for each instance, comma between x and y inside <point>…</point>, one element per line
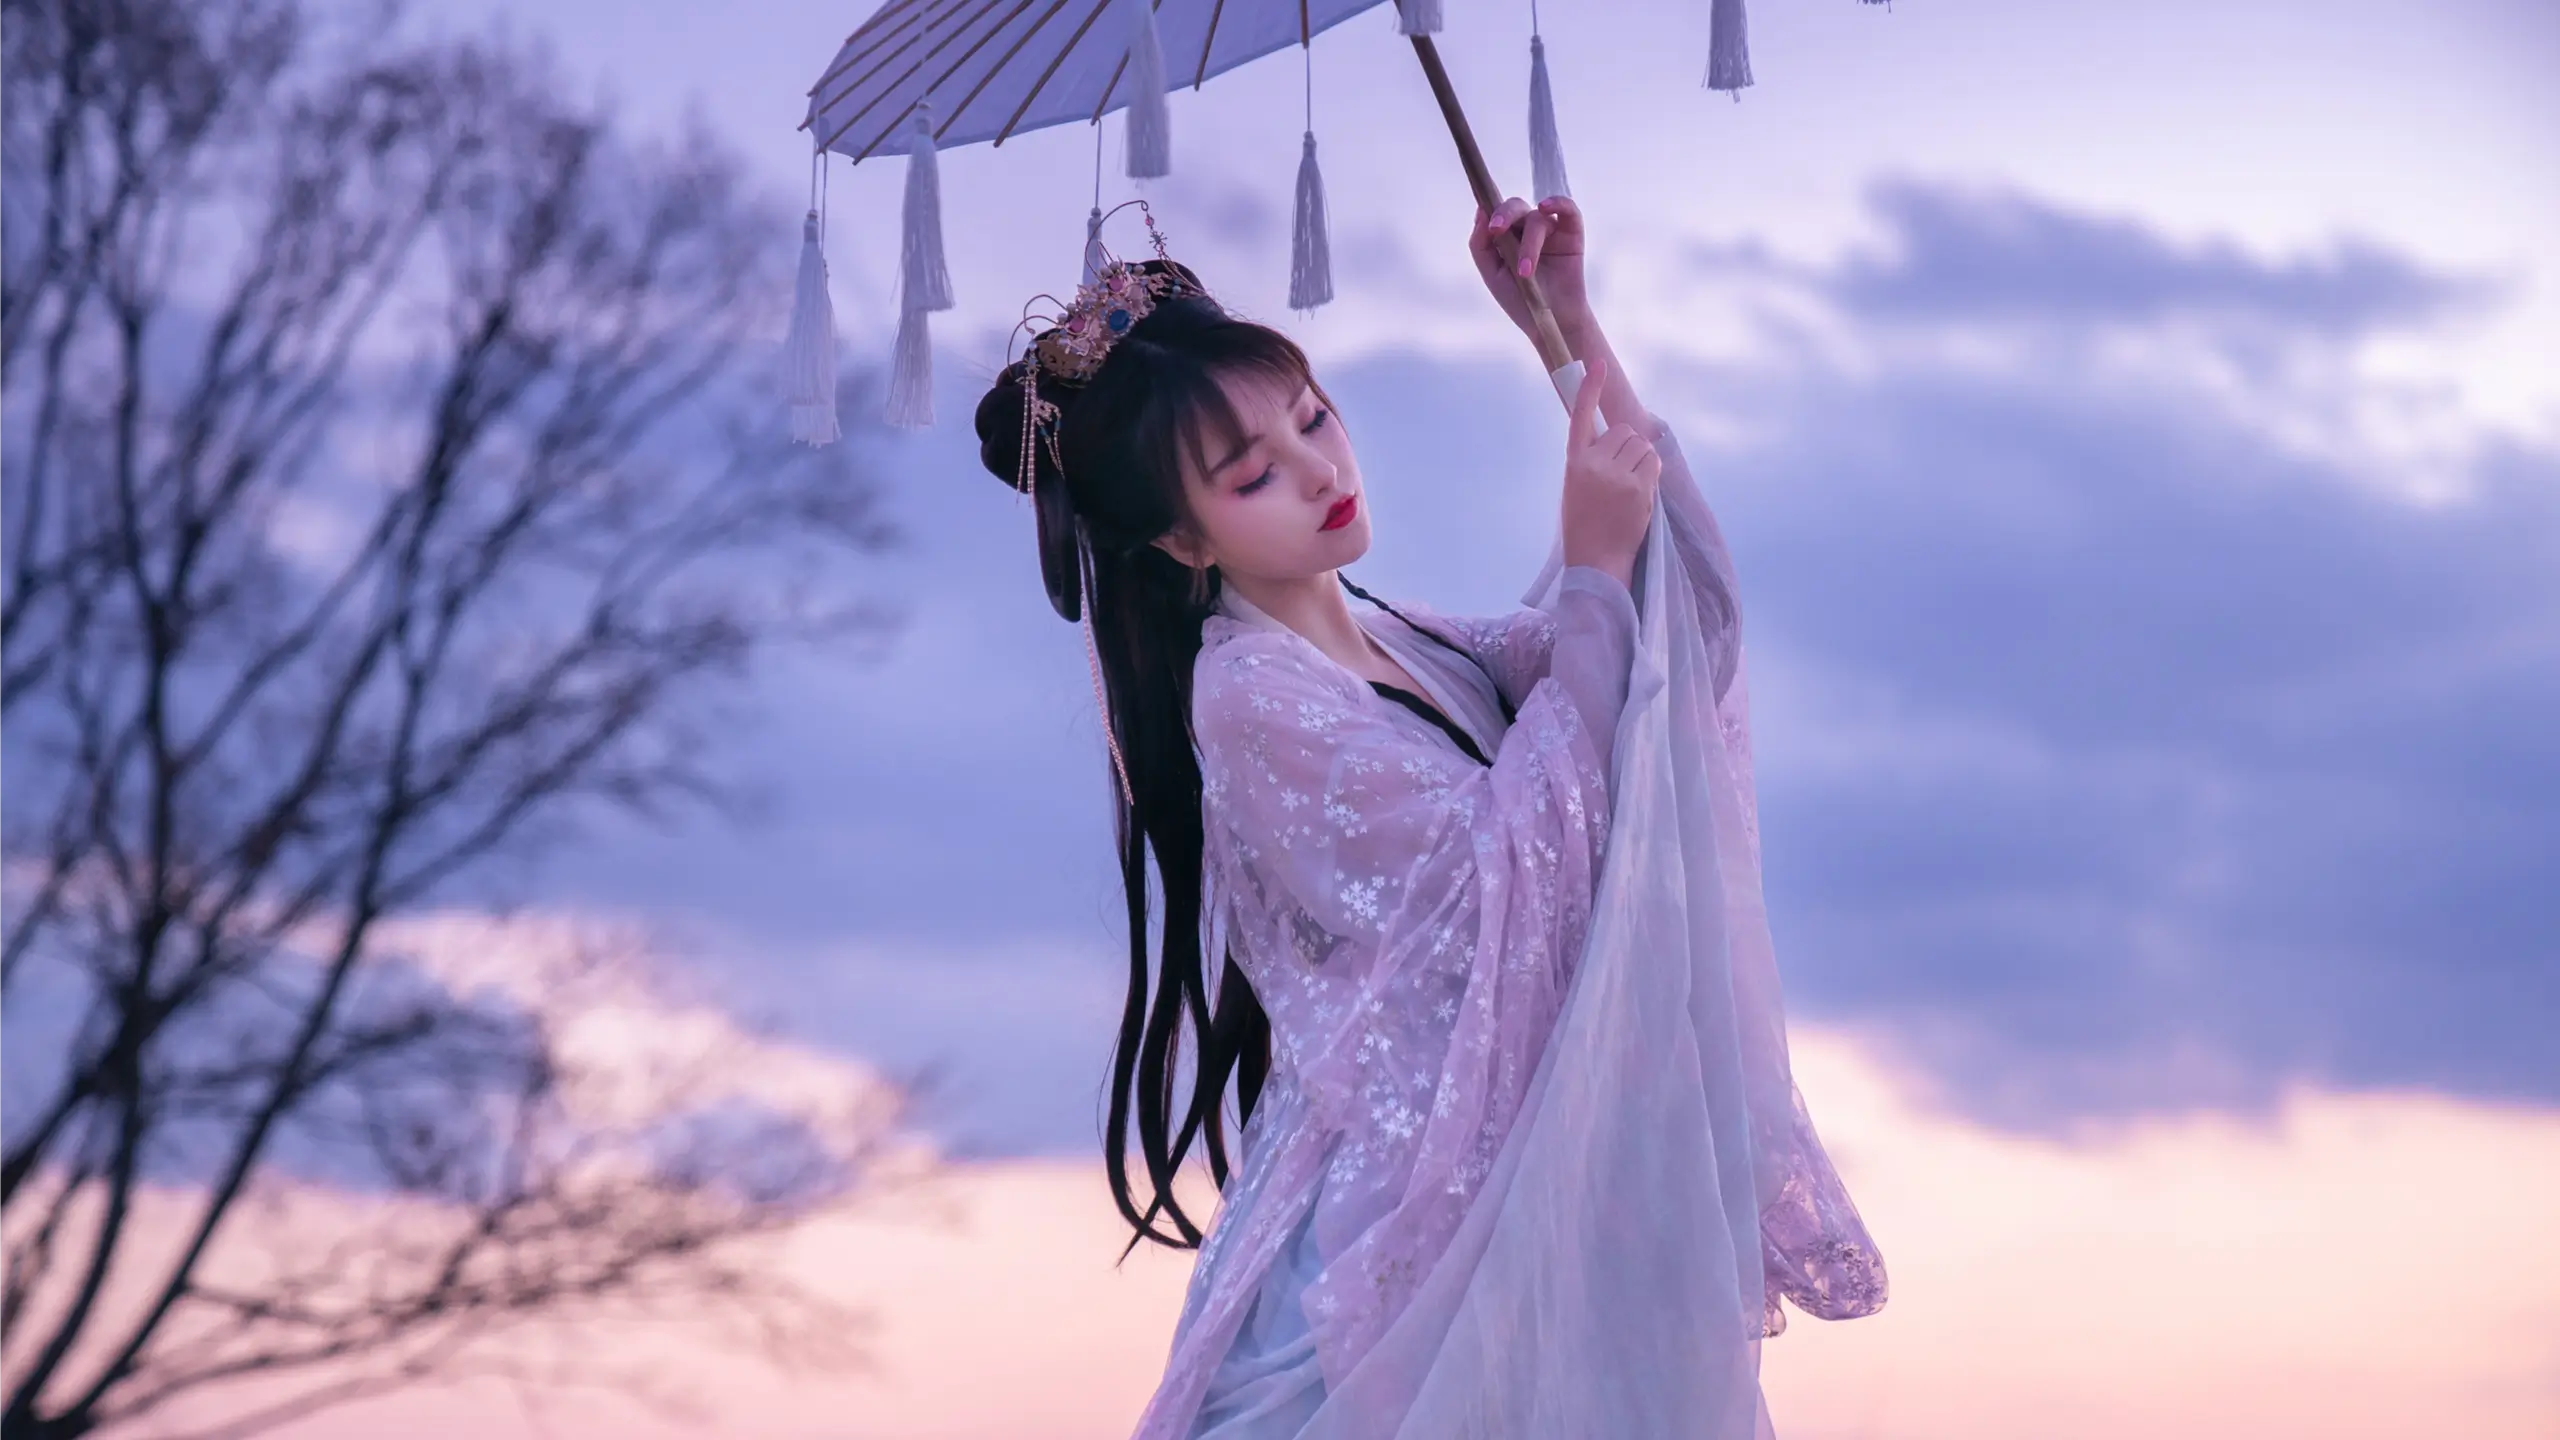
<point>1611,1268</point>
<point>1611,1278</point>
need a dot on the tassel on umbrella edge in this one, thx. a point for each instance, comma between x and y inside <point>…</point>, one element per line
<point>1147,136</point>
<point>924,282</point>
<point>1093,256</point>
<point>1546,146</point>
<point>1311,246</point>
<point>910,398</point>
<point>1728,48</point>
<point>809,346</point>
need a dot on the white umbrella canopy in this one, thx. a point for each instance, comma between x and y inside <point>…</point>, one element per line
<point>921,76</point>
<point>991,69</point>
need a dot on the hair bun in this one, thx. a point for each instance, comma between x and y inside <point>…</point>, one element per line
<point>1000,437</point>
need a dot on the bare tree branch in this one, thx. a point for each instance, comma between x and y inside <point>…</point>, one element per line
<point>386,485</point>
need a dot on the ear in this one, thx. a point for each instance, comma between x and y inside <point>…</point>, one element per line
<point>1182,547</point>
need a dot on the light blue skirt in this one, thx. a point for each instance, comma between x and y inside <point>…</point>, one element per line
<point>1269,1383</point>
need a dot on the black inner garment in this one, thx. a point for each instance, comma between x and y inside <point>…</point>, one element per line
<point>1430,712</point>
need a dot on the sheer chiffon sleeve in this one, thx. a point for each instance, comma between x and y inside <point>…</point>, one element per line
<point>1408,919</point>
<point>1519,648</point>
<point>1531,1097</point>
<point>1815,1250</point>
<point>1515,649</point>
<point>1703,556</point>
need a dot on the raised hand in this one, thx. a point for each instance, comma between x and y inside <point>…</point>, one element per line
<point>1548,239</point>
<point>1609,480</point>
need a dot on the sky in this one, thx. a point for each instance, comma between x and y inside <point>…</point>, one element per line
<point>2138,430</point>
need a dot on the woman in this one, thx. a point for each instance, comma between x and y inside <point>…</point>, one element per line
<point>1389,827</point>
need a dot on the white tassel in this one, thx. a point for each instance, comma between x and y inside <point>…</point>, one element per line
<point>809,347</point>
<point>1093,256</point>
<point>1417,17</point>
<point>1148,131</point>
<point>924,280</point>
<point>1728,52</point>
<point>910,404</point>
<point>1546,147</point>
<point>1311,254</point>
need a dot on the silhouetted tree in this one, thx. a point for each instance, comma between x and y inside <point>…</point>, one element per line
<point>391,486</point>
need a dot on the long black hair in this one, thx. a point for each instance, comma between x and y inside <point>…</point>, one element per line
<point>1121,437</point>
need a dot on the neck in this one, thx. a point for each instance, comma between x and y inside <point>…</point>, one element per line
<point>1315,606</point>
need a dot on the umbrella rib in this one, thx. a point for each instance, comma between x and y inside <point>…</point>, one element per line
<point>847,62</point>
<point>1057,60</point>
<point>1119,68</point>
<point>950,8</point>
<point>1199,76</point>
<point>953,69</point>
<point>948,35</point>
<point>993,70</point>
<point>876,67</point>
<point>1105,102</point>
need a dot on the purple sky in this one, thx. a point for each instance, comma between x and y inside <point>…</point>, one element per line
<point>2138,427</point>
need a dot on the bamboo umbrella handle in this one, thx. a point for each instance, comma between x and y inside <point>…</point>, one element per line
<point>1548,338</point>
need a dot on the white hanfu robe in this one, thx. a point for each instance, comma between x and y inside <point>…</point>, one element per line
<point>1530,1161</point>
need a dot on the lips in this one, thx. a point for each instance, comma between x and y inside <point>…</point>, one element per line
<point>1340,514</point>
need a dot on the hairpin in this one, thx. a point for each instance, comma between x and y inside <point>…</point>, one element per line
<point>1071,350</point>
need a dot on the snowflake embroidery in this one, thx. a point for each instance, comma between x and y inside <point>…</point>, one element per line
<point>1375,888</point>
<point>1360,897</point>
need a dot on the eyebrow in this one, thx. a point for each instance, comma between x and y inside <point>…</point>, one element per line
<point>1254,439</point>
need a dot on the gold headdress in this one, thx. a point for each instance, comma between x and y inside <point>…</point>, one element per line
<point>1071,351</point>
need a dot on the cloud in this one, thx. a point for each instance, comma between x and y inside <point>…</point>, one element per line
<point>2118,752</point>
<point>2056,1259</point>
<point>2357,357</point>
<point>1999,256</point>
<point>2118,755</point>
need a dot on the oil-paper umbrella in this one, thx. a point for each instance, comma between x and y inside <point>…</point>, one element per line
<point>921,76</point>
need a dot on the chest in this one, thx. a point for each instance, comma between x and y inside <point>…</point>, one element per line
<point>1382,668</point>
<point>1443,689</point>
<point>1429,687</point>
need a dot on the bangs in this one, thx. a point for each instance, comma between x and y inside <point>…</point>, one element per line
<point>1207,426</point>
<point>1159,414</point>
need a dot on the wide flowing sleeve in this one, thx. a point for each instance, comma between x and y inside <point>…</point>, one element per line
<point>1408,919</point>
<point>1815,1249</point>
<point>1515,648</point>
<point>1706,564</point>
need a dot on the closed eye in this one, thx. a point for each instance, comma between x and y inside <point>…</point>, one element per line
<point>1258,481</point>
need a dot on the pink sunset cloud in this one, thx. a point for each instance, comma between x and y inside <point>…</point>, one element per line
<point>2349,1267</point>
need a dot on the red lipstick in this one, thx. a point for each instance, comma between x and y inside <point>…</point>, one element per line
<point>1340,514</point>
